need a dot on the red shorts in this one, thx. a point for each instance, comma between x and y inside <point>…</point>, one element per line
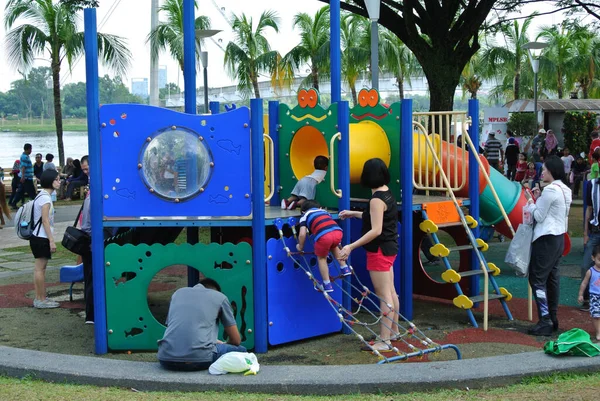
<point>378,262</point>
<point>328,242</point>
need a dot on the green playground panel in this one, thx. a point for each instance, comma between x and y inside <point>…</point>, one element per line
<point>291,122</point>
<point>131,325</point>
<point>389,120</point>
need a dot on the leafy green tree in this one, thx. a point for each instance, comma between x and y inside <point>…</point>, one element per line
<point>169,34</point>
<point>74,98</point>
<point>522,124</point>
<point>250,54</point>
<point>587,65</point>
<point>313,47</point>
<point>38,27</point>
<point>112,90</point>
<point>508,61</point>
<point>355,57</point>
<point>471,77</point>
<point>170,89</point>
<point>578,128</point>
<point>398,60</point>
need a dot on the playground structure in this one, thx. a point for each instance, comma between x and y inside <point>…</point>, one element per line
<point>216,178</point>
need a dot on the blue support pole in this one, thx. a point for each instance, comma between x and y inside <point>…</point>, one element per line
<point>274,134</point>
<point>335,52</point>
<point>343,179</point>
<point>189,80</point>
<point>406,185</point>
<point>474,185</point>
<point>93,106</point>
<point>189,55</point>
<point>213,107</point>
<point>259,240</point>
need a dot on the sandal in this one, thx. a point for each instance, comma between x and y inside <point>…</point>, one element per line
<point>377,346</point>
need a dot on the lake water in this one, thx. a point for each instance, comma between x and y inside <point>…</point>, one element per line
<point>11,145</point>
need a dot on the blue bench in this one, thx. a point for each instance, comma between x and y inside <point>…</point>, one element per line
<point>71,274</point>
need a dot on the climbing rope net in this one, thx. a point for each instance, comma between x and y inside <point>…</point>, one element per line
<point>406,333</point>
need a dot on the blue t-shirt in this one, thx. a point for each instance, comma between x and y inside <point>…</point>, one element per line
<point>27,165</point>
<point>594,281</point>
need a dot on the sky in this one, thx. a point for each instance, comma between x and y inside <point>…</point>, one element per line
<point>131,20</point>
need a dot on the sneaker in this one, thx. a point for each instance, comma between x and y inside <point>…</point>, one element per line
<point>89,322</point>
<point>327,287</point>
<point>346,271</point>
<point>284,204</point>
<point>585,307</point>
<point>45,304</point>
<point>542,328</point>
<point>377,346</point>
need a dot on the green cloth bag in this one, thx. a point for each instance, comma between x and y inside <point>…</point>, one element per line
<point>574,342</point>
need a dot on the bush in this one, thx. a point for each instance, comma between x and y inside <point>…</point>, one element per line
<point>522,124</point>
<point>578,128</point>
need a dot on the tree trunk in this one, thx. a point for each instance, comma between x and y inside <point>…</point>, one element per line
<point>441,93</point>
<point>315,77</point>
<point>256,88</point>
<point>559,84</point>
<point>517,85</point>
<point>400,83</point>
<point>58,110</point>
<point>353,92</point>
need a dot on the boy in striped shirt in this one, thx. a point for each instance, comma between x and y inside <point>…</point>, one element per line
<point>327,236</point>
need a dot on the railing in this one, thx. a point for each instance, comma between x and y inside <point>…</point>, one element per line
<point>450,153</point>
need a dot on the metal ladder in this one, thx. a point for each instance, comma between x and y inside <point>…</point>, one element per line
<point>451,276</point>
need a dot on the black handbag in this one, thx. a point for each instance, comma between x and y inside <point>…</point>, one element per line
<point>76,240</point>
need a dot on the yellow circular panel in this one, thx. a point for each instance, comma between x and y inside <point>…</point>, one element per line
<point>308,143</point>
<point>367,141</point>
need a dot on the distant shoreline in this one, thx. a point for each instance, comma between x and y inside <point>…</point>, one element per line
<point>41,128</point>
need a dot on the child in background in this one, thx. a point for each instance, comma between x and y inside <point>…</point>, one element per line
<point>595,171</point>
<point>521,167</point>
<point>306,188</point>
<point>567,160</point>
<point>327,237</point>
<point>529,175</point>
<point>592,278</point>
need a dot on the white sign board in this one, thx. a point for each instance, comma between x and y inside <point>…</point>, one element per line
<point>494,120</point>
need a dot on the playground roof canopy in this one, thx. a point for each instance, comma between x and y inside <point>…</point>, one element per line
<point>554,105</point>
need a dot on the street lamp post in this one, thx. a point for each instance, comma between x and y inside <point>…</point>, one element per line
<point>373,10</point>
<point>201,34</point>
<point>534,50</point>
<point>204,61</point>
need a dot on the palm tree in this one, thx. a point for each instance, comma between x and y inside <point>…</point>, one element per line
<point>508,61</point>
<point>313,47</point>
<point>169,34</point>
<point>250,53</point>
<point>559,61</point>
<point>398,60</point>
<point>587,64</point>
<point>470,77</point>
<point>355,57</point>
<point>47,27</point>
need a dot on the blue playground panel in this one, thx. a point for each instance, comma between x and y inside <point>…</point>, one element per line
<point>126,131</point>
<point>297,311</point>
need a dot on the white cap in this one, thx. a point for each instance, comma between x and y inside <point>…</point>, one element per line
<point>542,131</point>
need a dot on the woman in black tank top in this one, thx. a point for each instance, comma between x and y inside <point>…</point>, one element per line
<point>380,240</point>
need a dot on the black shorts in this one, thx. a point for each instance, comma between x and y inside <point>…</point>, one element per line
<point>40,247</point>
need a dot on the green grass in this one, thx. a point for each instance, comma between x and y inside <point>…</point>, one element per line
<point>61,251</point>
<point>35,125</point>
<point>576,221</point>
<point>553,387</point>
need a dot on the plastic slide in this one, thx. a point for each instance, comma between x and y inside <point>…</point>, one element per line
<point>510,193</point>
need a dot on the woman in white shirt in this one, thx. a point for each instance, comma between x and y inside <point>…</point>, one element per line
<point>42,243</point>
<point>550,213</point>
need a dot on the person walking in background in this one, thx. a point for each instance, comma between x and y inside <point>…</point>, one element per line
<point>16,180</point>
<point>550,144</point>
<point>49,165</point>
<point>579,168</point>
<point>512,157</point>
<point>595,169</point>
<point>26,185</point>
<point>550,213</point>
<point>595,145</point>
<point>494,153</point>
<point>86,226</point>
<point>38,167</point>
<point>537,145</point>
<point>42,242</point>
<point>509,135</point>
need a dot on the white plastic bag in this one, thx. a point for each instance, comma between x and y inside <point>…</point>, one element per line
<point>519,250</point>
<point>527,217</point>
<point>235,362</point>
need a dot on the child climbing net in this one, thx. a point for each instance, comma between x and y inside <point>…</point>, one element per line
<point>405,329</point>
